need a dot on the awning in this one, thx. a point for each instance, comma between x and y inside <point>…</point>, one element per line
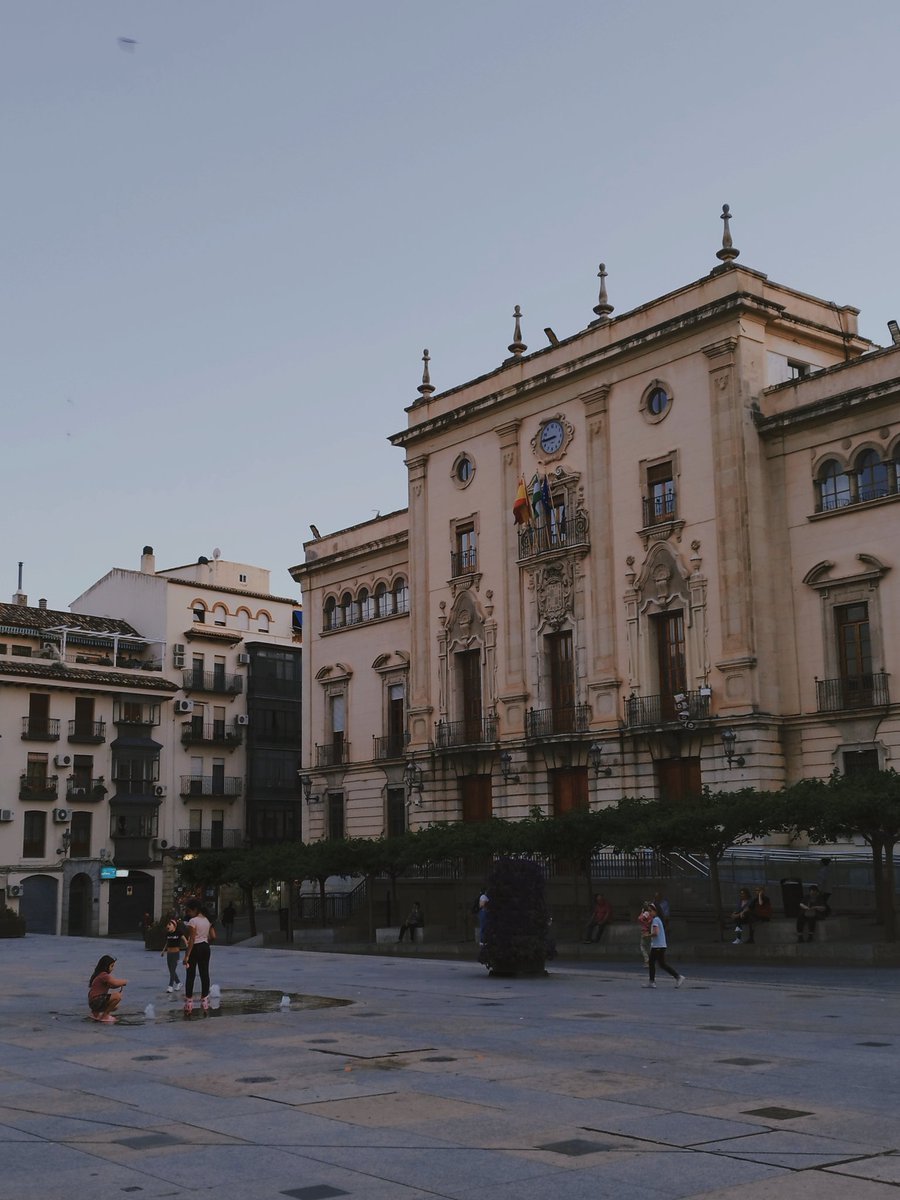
<point>131,741</point>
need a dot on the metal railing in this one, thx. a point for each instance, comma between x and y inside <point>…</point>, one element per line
<point>210,839</point>
<point>471,732</point>
<point>658,509</point>
<point>392,746</point>
<point>333,755</point>
<point>212,681</point>
<point>462,562</point>
<point>535,540</point>
<point>216,734</point>
<point>85,789</point>
<point>545,722</point>
<point>40,729</point>
<point>852,691</point>
<point>661,710</point>
<point>92,732</point>
<point>211,785</point>
<point>38,788</point>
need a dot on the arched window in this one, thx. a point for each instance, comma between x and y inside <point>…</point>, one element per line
<point>219,614</point>
<point>329,613</point>
<point>199,611</point>
<point>833,486</point>
<point>243,619</point>
<point>872,476</point>
<point>401,596</point>
<point>366,605</point>
<point>262,622</point>
<point>346,609</point>
<point>381,606</point>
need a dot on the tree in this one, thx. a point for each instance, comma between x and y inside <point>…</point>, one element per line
<point>516,928</point>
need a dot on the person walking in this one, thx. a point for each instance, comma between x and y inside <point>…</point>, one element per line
<point>200,933</point>
<point>658,946</point>
<point>645,919</point>
<point>228,917</point>
<point>102,1001</point>
<point>175,943</point>
<point>414,921</point>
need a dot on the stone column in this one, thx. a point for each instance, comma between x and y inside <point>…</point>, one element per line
<point>420,702</point>
<point>510,627</point>
<point>603,675</point>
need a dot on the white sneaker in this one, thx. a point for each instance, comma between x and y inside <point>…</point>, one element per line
<point>648,985</point>
<point>738,942</point>
<point>679,981</point>
<point>170,988</point>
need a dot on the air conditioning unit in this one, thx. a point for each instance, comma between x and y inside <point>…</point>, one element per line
<point>244,660</point>
<point>178,647</point>
<point>62,760</point>
<point>105,855</point>
<point>158,845</point>
<point>62,815</point>
<point>184,706</point>
<point>14,890</point>
<point>159,789</point>
<point>6,814</point>
<point>242,719</point>
<point>177,660</point>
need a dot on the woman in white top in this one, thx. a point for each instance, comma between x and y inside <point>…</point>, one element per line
<point>658,949</point>
<point>196,957</point>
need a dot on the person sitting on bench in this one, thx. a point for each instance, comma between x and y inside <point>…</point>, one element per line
<point>414,921</point>
<point>813,908</point>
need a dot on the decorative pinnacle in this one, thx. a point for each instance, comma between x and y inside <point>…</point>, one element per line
<point>425,387</point>
<point>728,252</point>
<point>517,347</point>
<point>603,307</point>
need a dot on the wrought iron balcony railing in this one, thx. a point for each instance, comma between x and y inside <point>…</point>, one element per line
<point>40,729</point>
<point>38,788</point>
<point>851,692</point>
<point>392,746</point>
<point>211,785</point>
<point>87,732</point>
<point>213,681</point>
<point>210,839</point>
<point>658,509</point>
<point>463,562</point>
<point>215,734</point>
<point>546,722</point>
<point>80,790</point>
<point>535,540</point>
<point>663,710</point>
<point>471,732</point>
<point>333,754</point>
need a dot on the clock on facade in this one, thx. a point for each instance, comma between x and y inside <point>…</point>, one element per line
<point>552,436</point>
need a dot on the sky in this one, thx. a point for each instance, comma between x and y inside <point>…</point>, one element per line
<point>227,240</point>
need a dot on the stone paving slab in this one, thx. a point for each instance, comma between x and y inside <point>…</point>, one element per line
<point>432,1080</point>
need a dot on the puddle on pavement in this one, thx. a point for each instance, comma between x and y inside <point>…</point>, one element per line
<point>234,1003</point>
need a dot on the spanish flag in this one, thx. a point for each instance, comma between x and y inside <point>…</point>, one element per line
<point>521,507</point>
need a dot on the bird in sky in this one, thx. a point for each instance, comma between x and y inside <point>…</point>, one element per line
<point>127,44</point>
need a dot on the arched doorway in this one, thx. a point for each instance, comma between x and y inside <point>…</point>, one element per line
<point>39,903</point>
<point>81,895</point>
<point>129,899</point>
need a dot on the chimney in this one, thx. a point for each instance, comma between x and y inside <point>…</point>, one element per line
<point>42,603</point>
<point>19,596</point>
<point>148,562</point>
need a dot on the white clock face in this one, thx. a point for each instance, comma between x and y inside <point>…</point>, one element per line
<point>552,436</point>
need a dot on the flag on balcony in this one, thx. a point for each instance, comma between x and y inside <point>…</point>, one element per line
<point>536,494</point>
<point>546,498</point>
<point>520,504</point>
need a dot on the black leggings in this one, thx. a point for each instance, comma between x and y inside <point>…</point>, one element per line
<point>199,962</point>
<point>658,957</point>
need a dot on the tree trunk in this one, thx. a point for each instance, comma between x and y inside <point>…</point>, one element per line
<point>878,847</point>
<point>251,910</point>
<point>887,899</point>
<point>715,884</point>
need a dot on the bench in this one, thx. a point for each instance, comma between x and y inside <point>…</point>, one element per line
<point>783,931</point>
<point>390,933</point>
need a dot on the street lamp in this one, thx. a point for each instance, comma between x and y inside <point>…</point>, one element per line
<point>506,768</point>
<point>414,780</point>
<point>729,743</point>
<point>66,843</point>
<point>306,784</point>
<point>595,752</point>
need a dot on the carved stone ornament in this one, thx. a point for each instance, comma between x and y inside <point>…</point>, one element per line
<point>555,589</point>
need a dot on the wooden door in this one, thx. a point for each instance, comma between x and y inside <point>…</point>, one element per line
<point>469,663</point>
<point>679,779</point>
<point>670,657</point>
<point>570,790</point>
<point>476,797</point>
<point>562,681</point>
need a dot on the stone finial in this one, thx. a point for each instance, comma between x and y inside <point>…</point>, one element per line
<point>517,347</point>
<point>425,387</point>
<point>728,252</point>
<point>603,307</point>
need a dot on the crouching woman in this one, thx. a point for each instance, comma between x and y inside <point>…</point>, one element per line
<point>102,999</point>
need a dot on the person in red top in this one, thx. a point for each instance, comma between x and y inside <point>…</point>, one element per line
<point>601,915</point>
<point>101,1000</point>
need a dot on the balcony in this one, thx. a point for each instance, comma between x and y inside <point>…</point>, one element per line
<point>133,713</point>
<point>80,790</point>
<point>648,711</point>
<point>229,786</point>
<point>852,692</point>
<point>40,729</point>
<point>463,562</point>
<point>88,733</point>
<point>38,788</point>
<point>137,787</point>
<point>210,839</point>
<point>213,681</point>
<point>214,734</point>
<point>392,746</point>
<point>473,732</point>
<point>333,754</point>
<point>538,540</point>
<point>548,722</point>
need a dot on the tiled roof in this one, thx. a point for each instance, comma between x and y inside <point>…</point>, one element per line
<point>58,673</point>
<point>33,620</point>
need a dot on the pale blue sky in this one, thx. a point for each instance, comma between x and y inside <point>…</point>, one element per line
<point>224,251</point>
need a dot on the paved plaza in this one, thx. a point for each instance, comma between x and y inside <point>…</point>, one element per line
<point>410,1078</point>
